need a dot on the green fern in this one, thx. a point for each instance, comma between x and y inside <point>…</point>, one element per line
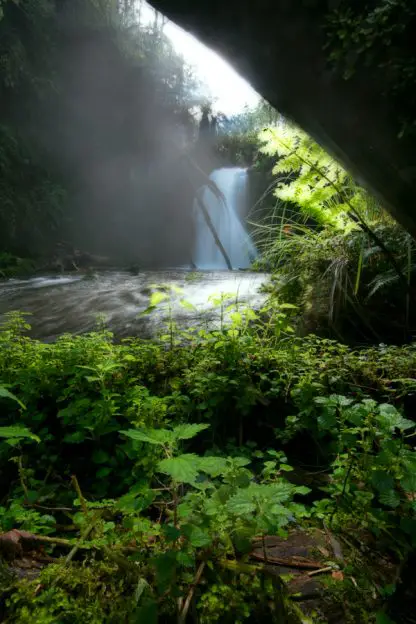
<point>316,183</point>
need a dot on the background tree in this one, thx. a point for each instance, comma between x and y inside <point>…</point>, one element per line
<point>94,107</point>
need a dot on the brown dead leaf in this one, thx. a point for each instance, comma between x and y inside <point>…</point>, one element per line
<point>14,542</point>
<point>324,551</point>
<point>337,575</point>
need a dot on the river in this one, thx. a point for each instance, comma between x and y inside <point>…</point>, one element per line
<point>75,303</point>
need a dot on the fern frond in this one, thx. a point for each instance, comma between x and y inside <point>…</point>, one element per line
<point>381,281</point>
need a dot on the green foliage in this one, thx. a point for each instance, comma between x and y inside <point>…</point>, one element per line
<point>17,433</point>
<point>12,266</point>
<point>237,149</point>
<point>315,182</point>
<point>373,469</point>
<point>347,260</point>
<point>31,198</point>
<point>344,284</point>
<point>184,454</point>
<point>251,120</point>
<point>5,394</point>
<point>80,593</point>
<point>376,37</point>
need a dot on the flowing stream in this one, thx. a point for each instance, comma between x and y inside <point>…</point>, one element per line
<point>226,216</point>
<point>74,303</point>
<point>78,303</point>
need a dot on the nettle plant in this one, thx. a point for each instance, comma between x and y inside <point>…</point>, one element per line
<point>16,434</point>
<point>213,506</point>
<point>374,471</point>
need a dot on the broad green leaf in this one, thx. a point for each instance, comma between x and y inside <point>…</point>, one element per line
<point>187,560</point>
<point>256,497</point>
<point>391,418</point>
<point>165,565</point>
<point>134,502</point>
<point>328,419</point>
<point>390,499</point>
<point>197,537</point>
<point>18,433</point>
<point>5,394</point>
<point>146,614</point>
<point>129,358</point>
<point>356,415</point>
<point>100,457</point>
<point>103,472</point>
<point>242,479</point>
<point>186,432</point>
<point>280,491</point>
<point>157,297</point>
<point>187,305</point>
<point>342,400</point>
<point>185,510</point>
<point>221,496</point>
<point>237,319</point>
<point>241,504</point>
<point>213,466</point>
<point>182,469</point>
<point>408,482</point>
<point>170,532</point>
<point>382,481</point>
<point>142,584</point>
<point>75,438</point>
<point>239,462</point>
<point>151,436</point>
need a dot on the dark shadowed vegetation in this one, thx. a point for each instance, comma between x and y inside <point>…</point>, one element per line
<point>256,468</point>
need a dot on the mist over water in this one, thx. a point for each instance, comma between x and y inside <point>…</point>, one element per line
<point>106,151</point>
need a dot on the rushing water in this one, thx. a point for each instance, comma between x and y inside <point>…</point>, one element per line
<point>226,218</point>
<point>74,303</point>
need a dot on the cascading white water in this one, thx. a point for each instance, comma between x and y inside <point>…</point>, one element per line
<point>232,182</point>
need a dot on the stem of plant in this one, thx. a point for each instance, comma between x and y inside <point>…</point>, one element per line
<point>187,604</point>
<point>81,498</point>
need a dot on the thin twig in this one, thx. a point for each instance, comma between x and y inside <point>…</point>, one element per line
<point>77,546</point>
<point>22,479</point>
<point>43,508</point>
<point>320,571</point>
<point>187,604</point>
<point>81,498</point>
<point>214,232</point>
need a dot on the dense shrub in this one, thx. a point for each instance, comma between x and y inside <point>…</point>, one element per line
<point>104,434</point>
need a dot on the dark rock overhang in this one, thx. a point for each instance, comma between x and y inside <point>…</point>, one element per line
<point>278,46</point>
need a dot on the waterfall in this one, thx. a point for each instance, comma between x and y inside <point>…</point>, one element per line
<point>225,216</point>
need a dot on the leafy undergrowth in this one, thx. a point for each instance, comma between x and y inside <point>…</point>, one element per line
<point>136,475</point>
